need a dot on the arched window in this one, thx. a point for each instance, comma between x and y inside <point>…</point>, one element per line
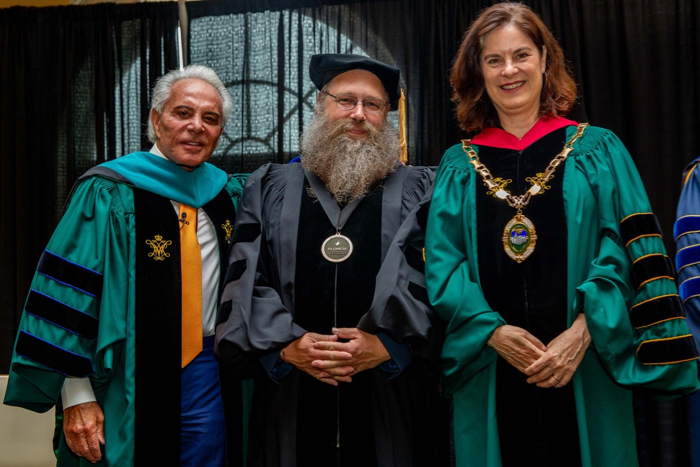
<point>263,59</point>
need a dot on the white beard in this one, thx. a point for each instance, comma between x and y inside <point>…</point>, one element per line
<point>348,167</point>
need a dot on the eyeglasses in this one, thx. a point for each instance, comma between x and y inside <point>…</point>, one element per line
<point>346,102</point>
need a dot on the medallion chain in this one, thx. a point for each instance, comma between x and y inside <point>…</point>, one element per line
<point>519,236</point>
<point>539,181</point>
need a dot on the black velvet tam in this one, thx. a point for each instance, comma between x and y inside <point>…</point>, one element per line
<point>325,67</point>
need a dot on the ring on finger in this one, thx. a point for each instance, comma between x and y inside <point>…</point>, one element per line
<point>558,380</point>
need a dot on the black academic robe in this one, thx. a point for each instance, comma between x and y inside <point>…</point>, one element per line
<point>279,287</point>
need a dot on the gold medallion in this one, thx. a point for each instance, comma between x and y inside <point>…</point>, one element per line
<point>519,238</point>
<point>336,248</point>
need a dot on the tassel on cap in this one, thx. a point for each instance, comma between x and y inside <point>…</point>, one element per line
<point>403,145</point>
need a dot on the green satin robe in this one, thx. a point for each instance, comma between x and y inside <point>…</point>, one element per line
<point>601,188</point>
<point>97,233</point>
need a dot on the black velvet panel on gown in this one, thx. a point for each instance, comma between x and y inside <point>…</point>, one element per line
<point>536,426</point>
<point>334,421</point>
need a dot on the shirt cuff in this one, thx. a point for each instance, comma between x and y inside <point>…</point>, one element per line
<point>275,367</point>
<point>400,356</point>
<point>77,391</point>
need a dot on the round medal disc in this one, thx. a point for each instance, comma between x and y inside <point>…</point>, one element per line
<point>336,248</point>
<point>519,238</point>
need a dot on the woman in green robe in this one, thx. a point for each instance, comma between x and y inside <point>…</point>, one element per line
<point>544,259</point>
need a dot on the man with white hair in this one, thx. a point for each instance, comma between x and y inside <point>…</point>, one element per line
<point>117,331</point>
<point>325,302</point>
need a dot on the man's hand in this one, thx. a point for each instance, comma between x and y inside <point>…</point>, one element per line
<point>564,354</point>
<point>517,346</point>
<point>83,425</point>
<point>303,352</point>
<point>366,351</point>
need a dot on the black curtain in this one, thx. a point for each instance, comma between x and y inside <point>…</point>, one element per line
<point>61,89</point>
<point>74,87</point>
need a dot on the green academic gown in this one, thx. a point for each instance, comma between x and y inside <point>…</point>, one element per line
<point>105,304</point>
<point>617,274</point>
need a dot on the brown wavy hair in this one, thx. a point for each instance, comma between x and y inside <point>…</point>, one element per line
<point>475,111</point>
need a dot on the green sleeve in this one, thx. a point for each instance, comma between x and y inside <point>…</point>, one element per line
<point>451,273</point>
<point>604,191</point>
<point>234,187</point>
<point>77,324</point>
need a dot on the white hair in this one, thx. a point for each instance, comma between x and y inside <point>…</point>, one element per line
<point>163,87</point>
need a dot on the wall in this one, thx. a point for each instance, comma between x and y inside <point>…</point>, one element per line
<point>25,437</point>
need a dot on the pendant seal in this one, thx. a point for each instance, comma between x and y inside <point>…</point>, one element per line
<point>336,248</point>
<point>519,238</point>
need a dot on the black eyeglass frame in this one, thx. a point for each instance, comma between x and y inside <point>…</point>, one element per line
<point>357,101</point>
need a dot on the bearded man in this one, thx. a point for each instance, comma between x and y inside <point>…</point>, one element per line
<point>325,302</point>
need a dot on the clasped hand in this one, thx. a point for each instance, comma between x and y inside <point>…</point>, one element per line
<point>336,357</point>
<point>548,366</point>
